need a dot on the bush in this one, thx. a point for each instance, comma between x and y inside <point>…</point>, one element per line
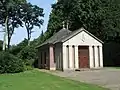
<point>15,49</point>
<point>10,64</point>
<point>28,54</point>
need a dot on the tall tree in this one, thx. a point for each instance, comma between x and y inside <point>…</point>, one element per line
<point>15,13</point>
<point>31,17</point>
<point>100,17</point>
<point>9,11</point>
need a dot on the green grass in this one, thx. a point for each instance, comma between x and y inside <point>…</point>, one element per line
<point>113,67</point>
<point>35,80</point>
<point>117,67</point>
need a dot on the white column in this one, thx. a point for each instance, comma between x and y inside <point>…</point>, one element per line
<point>71,57</point>
<point>65,64</point>
<point>101,56</point>
<point>76,58</point>
<point>91,61</point>
<point>96,57</point>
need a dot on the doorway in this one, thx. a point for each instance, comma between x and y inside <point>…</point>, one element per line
<point>83,54</point>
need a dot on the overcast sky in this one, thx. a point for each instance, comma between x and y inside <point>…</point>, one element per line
<point>21,33</point>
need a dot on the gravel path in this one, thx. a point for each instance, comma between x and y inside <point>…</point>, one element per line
<point>108,78</point>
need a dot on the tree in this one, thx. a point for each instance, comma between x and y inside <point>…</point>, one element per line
<point>41,38</point>
<point>55,21</point>
<point>31,16</point>
<point>1,45</point>
<point>15,49</point>
<point>100,17</point>
<point>9,18</point>
<point>15,13</point>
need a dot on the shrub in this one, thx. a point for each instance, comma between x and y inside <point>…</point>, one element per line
<point>10,64</point>
<point>15,49</point>
<point>28,54</point>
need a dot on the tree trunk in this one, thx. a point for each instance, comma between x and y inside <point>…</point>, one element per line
<point>8,46</point>
<point>6,34</point>
<point>4,42</point>
<point>28,33</point>
<point>8,38</point>
<point>10,33</point>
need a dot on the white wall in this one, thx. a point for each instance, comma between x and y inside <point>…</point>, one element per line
<point>72,65</point>
<point>83,39</point>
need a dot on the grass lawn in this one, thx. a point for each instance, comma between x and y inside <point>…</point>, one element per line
<point>35,80</point>
<point>114,67</point>
<point>117,67</point>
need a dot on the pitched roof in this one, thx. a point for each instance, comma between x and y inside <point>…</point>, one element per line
<point>64,35</point>
<point>60,34</point>
<point>77,32</point>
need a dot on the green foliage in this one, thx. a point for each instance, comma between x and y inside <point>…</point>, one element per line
<point>15,49</point>
<point>28,55</point>
<point>55,21</point>
<point>38,41</point>
<point>15,13</point>
<point>100,17</point>
<point>10,17</point>
<point>10,64</point>
<point>31,17</point>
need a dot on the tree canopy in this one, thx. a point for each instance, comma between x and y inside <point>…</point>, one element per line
<point>31,16</point>
<point>100,17</point>
<point>9,18</point>
<point>19,13</point>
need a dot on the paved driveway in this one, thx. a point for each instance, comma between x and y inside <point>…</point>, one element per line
<point>109,78</point>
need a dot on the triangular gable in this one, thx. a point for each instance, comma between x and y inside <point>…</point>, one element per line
<point>74,33</point>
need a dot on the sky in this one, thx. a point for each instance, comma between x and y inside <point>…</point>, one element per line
<point>20,33</point>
